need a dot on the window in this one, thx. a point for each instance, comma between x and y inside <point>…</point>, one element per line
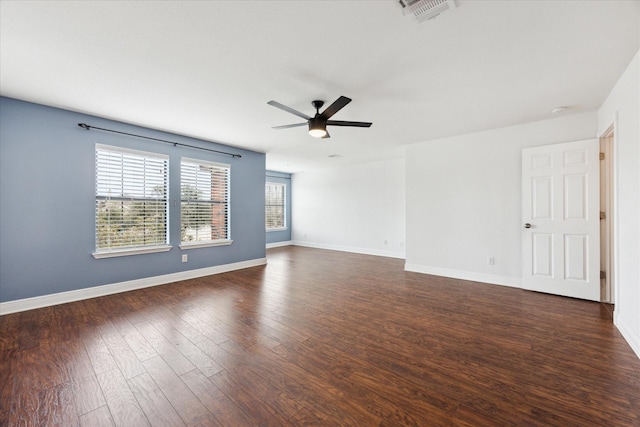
<point>275,205</point>
<point>131,202</point>
<point>204,216</point>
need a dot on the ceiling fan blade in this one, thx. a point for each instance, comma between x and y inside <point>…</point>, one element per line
<point>288,109</point>
<point>354,124</point>
<point>337,105</point>
<point>326,136</point>
<point>295,125</point>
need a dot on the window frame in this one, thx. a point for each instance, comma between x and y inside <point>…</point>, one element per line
<point>117,251</point>
<point>211,242</point>
<point>284,207</point>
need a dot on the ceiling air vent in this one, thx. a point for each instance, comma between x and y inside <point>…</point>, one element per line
<point>426,9</point>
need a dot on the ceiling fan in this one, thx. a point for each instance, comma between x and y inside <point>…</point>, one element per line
<point>318,123</point>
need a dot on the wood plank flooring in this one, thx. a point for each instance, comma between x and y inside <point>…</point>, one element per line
<point>318,338</point>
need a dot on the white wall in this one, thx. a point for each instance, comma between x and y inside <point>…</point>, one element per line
<point>622,107</point>
<point>355,208</point>
<point>464,199</point>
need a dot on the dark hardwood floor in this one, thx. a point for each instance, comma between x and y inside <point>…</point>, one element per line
<point>318,338</point>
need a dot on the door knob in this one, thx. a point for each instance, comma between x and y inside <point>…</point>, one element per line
<point>527,225</point>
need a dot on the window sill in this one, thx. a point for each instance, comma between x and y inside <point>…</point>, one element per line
<point>277,229</point>
<point>208,244</point>
<point>133,251</point>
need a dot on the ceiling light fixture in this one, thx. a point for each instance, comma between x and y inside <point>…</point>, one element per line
<point>317,127</point>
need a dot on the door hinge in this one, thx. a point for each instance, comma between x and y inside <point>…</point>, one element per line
<point>603,215</point>
<point>601,156</point>
<point>603,274</point>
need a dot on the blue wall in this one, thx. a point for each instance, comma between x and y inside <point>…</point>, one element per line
<point>283,235</point>
<point>47,199</point>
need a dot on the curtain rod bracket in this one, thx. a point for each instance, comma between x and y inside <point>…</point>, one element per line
<point>175,144</point>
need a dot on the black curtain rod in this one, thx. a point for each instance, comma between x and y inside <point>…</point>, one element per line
<point>87,127</point>
<point>281,177</point>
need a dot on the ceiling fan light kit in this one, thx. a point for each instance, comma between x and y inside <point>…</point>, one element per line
<point>318,123</point>
<point>318,128</point>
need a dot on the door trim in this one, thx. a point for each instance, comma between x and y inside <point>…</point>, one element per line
<point>606,206</point>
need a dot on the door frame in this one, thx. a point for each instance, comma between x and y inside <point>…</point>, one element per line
<point>607,141</point>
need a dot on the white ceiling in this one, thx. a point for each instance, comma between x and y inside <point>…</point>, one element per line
<point>207,68</point>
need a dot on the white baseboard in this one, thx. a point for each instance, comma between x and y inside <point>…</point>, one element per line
<point>627,334</point>
<point>114,288</point>
<point>513,282</point>
<point>352,249</point>
<point>279,244</point>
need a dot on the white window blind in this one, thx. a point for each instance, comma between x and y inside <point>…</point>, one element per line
<point>204,188</point>
<point>131,199</point>
<point>275,202</point>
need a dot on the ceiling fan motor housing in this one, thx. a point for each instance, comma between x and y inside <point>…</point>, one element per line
<point>318,123</point>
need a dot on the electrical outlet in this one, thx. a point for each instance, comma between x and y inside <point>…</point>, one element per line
<point>386,242</point>
<point>185,257</point>
<point>491,260</point>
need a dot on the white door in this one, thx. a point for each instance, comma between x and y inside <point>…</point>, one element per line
<point>560,219</point>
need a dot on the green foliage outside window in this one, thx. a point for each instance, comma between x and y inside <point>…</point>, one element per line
<point>195,215</point>
<point>127,223</point>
